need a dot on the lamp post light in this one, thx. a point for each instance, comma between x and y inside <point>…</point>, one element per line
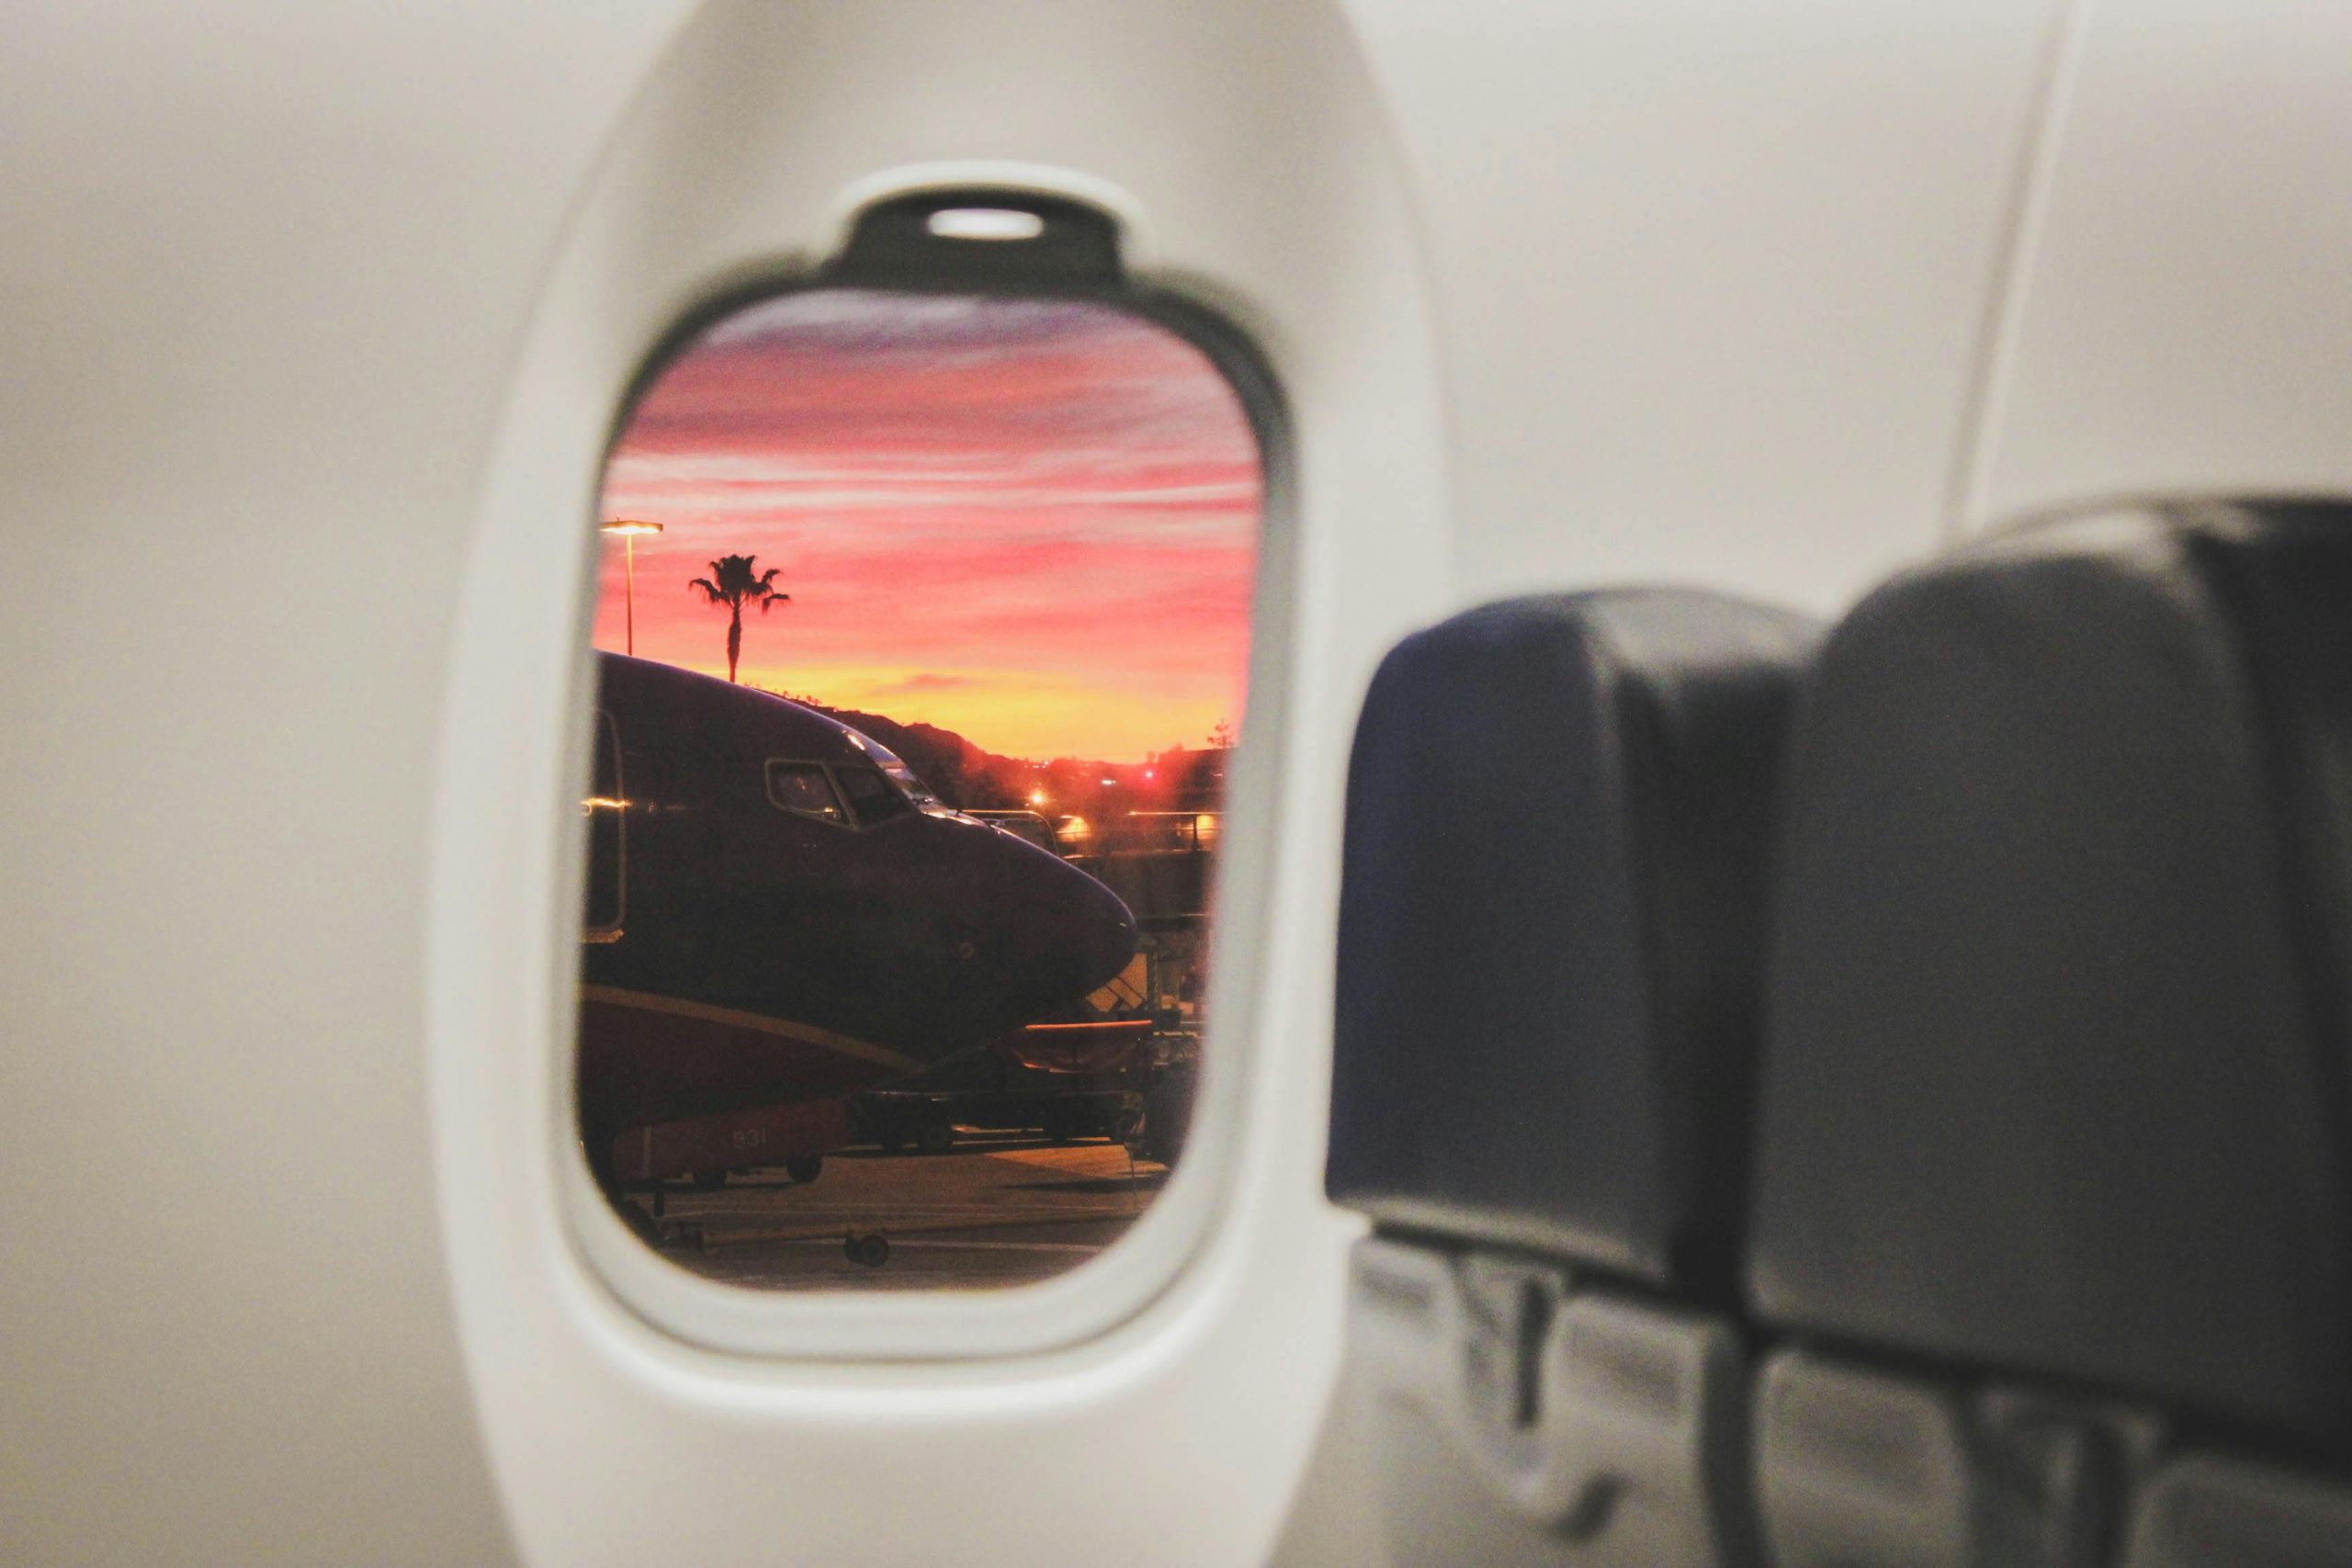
<point>628,531</point>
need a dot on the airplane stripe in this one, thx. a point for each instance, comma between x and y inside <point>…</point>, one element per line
<point>807,1034</point>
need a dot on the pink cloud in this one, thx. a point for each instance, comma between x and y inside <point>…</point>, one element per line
<point>1058,492</point>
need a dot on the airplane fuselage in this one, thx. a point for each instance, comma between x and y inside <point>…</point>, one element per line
<point>778,912</point>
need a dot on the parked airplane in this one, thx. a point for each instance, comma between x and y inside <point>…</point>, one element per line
<point>780,913</point>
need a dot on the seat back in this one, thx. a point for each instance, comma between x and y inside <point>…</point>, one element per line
<point>1558,816</point>
<point>2052,1191</point>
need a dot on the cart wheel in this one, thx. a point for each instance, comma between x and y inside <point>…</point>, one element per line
<point>869,1251</point>
<point>806,1169</point>
<point>936,1138</point>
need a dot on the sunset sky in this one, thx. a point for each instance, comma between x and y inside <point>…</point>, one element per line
<point>1032,523</point>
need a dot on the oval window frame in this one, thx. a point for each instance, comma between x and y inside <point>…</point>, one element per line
<point>1105,1292</point>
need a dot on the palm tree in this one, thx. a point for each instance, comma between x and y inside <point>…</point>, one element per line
<point>733,584</point>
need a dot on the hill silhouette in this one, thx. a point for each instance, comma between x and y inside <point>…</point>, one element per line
<point>967,777</point>
<point>964,775</point>
<point>971,778</point>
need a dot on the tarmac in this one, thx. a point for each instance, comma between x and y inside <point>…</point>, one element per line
<point>998,1210</point>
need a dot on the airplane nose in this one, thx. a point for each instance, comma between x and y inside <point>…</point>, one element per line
<point>1106,930</point>
<point>1079,934</point>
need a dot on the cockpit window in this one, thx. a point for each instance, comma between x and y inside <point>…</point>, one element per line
<point>871,798</point>
<point>802,787</point>
<point>914,789</point>
<point>909,784</point>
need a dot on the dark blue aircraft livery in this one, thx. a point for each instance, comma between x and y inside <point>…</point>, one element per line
<point>779,912</point>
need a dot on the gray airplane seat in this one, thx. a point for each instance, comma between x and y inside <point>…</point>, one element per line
<point>1558,814</point>
<point>2050,1236</point>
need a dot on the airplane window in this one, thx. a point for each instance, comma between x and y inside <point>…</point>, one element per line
<point>913,788</point>
<point>975,570</point>
<point>871,801</point>
<point>803,787</point>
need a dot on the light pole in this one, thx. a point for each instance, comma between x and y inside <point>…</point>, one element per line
<point>628,531</point>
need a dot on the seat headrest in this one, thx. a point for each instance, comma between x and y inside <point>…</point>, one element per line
<point>2055,1072</point>
<point>1559,812</point>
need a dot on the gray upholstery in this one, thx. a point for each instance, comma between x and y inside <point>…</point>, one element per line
<point>2056,1090</point>
<point>1860,1467</point>
<point>1559,812</point>
<point>2208,1512</point>
<point>2056,1078</point>
<point>1859,1471</point>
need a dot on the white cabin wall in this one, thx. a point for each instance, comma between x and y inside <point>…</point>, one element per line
<point>1713,276</point>
<point>2186,319</point>
<point>265,266</point>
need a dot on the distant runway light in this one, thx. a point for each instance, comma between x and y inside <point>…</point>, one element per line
<point>985,223</point>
